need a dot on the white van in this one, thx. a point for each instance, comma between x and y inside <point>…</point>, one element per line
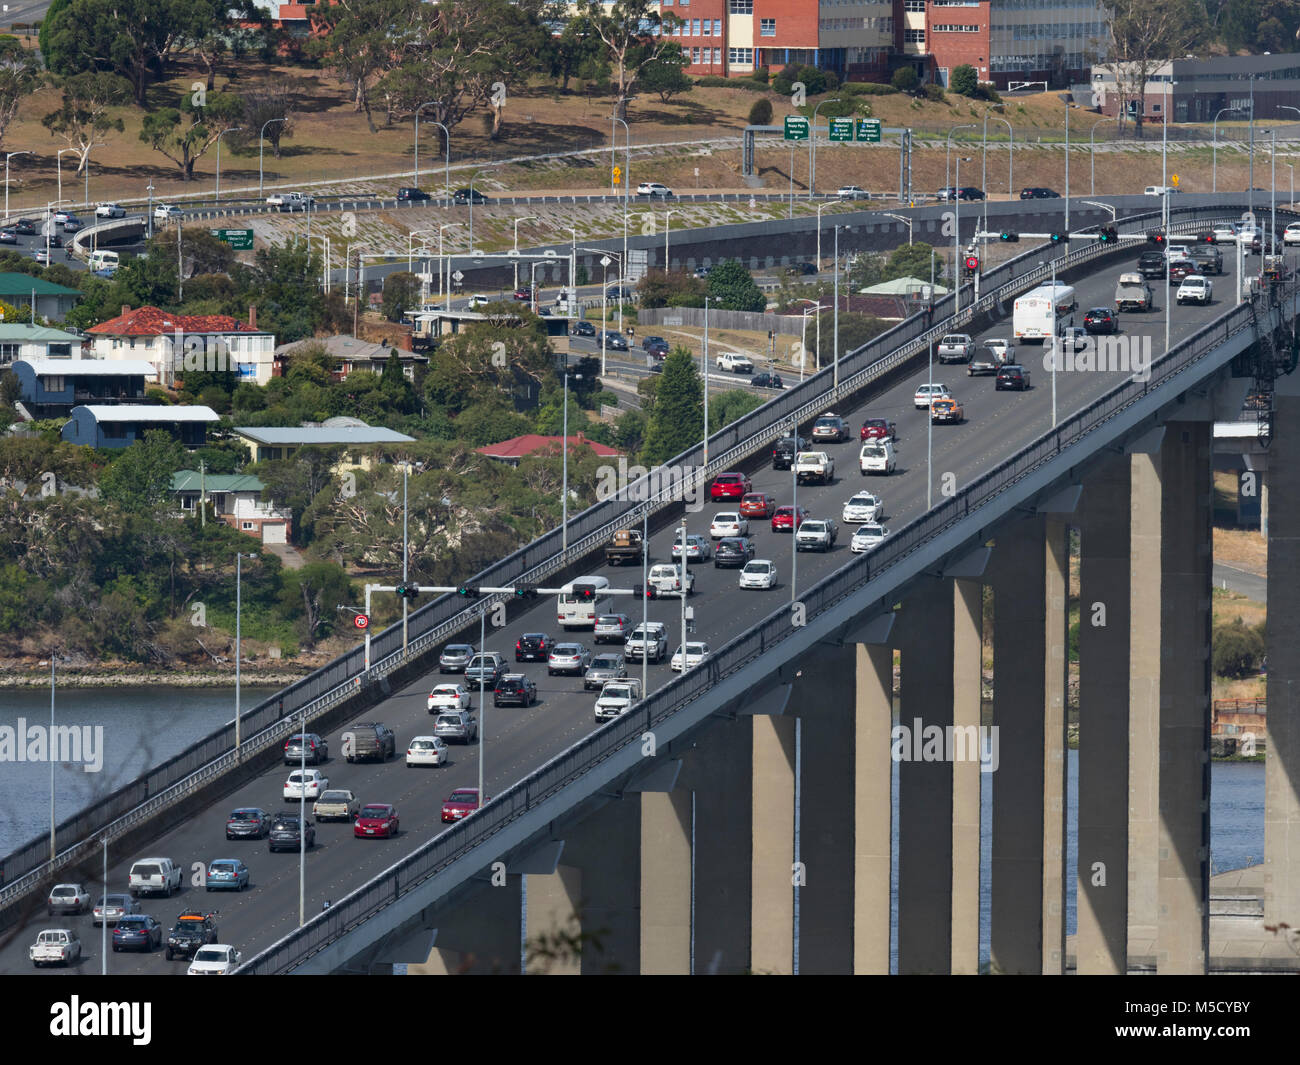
<point>877,456</point>
<point>100,260</point>
<point>576,608</point>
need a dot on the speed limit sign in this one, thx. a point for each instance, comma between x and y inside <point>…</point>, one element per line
<point>361,621</point>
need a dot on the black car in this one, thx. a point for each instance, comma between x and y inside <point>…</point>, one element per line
<point>969,192</point>
<point>284,833</point>
<point>801,269</point>
<point>464,196</point>
<point>533,647</point>
<point>733,552</point>
<point>24,227</point>
<point>784,451</point>
<point>191,931</point>
<point>514,689</point>
<point>408,194</point>
<point>583,329</point>
<point>1100,320</point>
<point>647,341</point>
<point>1151,264</point>
<point>1039,193</point>
<point>614,341</point>
<point>767,380</point>
<point>52,239</point>
<point>1207,257</point>
<point>1012,375</point>
<point>248,822</point>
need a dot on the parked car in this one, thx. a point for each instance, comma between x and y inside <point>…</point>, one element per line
<point>427,750</point>
<point>226,874</point>
<point>248,822</point>
<point>375,820</point>
<point>733,551</point>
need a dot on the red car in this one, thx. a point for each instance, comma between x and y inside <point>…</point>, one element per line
<point>757,505</point>
<point>460,803</point>
<point>730,486</point>
<point>376,819</point>
<point>878,429</point>
<point>523,295</point>
<point>787,520</point>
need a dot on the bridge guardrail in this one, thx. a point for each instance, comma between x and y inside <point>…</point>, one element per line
<point>738,653</point>
<point>531,564</point>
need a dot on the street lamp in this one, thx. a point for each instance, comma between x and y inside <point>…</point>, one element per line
<point>803,337</point>
<point>149,212</point>
<point>216,197</point>
<point>668,218</point>
<point>627,155</point>
<point>984,165</point>
<point>410,246</point>
<point>812,144</point>
<point>820,208</point>
<point>532,286</point>
<point>1214,147</point>
<point>1092,153</point>
<point>445,264</point>
<point>1067,168</point>
<point>564,494</point>
<point>8,156</point>
<point>956,240</point>
<point>239,602</point>
<point>902,218</point>
<point>525,218</point>
<point>261,147</point>
<point>406,472</point>
<point>947,166</point>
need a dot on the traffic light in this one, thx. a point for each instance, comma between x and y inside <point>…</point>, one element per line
<point>1156,237</point>
<point>1108,235</point>
<point>407,591</point>
<point>1010,237</point>
<point>525,591</point>
<point>584,593</point>
<point>1060,238</point>
<point>649,590</point>
<point>972,264</point>
<point>467,591</point>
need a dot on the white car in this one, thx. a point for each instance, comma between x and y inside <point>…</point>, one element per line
<point>852,192</point>
<point>653,188</point>
<point>1195,289</point>
<point>304,784</point>
<point>1246,236</point>
<point>695,654</point>
<point>1291,235</point>
<point>758,573</point>
<point>61,216</point>
<point>427,750</point>
<point>449,697</point>
<point>110,210</point>
<point>928,391</point>
<point>867,537</point>
<point>67,898</point>
<point>728,523</point>
<point>216,959</point>
<point>863,507</point>
<point>164,212</point>
<point>1225,233</point>
<point>479,299</point>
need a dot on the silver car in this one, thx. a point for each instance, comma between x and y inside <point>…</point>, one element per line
<point>455,657</point>
<point>456,725</point>
<point>604,667</point>
<point>612,628</point>
<point>336,804</point>
<point>698,548</point>
<point>568,658</point>
<point>112,907</point>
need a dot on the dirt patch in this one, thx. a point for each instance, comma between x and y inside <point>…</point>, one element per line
<point>1243,549</point>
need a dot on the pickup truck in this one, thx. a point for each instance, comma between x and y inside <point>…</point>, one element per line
<point>956,347</point>
<point>814,466</point>
<point>153,875</point>
<point>55,946</point>
<point>948,411</point>
<point>816,535</point>
<point>1195,289</point>
<point>988,359</point>
<point>665,578</point>
<point>626,546</point>
<point>735,363</point>
<point>369,740</point>
<point>1132,293</point>
<point>289,201</point>
<point>650,639</point>
<point>615,698</point>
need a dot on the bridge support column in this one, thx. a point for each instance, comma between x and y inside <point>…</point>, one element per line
<point>1101,945</point>
<point>1028,889</point>
<point>1282,762</point>
<point>553,922</point>
<point>772,937</point>
<point>666,883</point>
<point>479,933</point>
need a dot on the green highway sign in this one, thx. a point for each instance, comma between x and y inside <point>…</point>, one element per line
<point>869,129</point>
<point>841,129</point>
<point>239,239</point>
<point>796,128</point>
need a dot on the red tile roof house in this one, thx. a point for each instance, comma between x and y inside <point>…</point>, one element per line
<point>176,342</point>
<point>519,447</point>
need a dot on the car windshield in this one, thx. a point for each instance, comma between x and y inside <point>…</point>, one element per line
<point>190,924</point>
<point>113,900</point>
<point>566,649</point>
<point>604,662</point>
<point>334,796</point>
<point>463,796</point>
<point>210,954</point>
<point>609,619</point>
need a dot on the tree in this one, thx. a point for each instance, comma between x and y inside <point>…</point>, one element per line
<point>362,41</point>
<point>677,420</point>
<point>311,595</point>
<point>904,79</point>
<point>401,293</point>
<point>731,288</point>
<point>666,73</point>
<point>267,106</point>
<point>20,76</point>
<point>485,364</point>
<point>728,406</point>
<point>659,289</point>
<point>964,80</point>
<point>1143,34</point>
<point>634,33</point>
<point>185,134</point>
<point>575,53</point>
<point>82,121</point>
<point>913,260</point>
<point>761,113</point>
<point>140,477</point>
<point>1236,649</point>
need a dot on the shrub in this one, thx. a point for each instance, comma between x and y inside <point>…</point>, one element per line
<point>761,113</point>
<point>762,75</point>
<point>904,79</point>
<point>964,80</point>
<point>715,81</point>
<point>935,94</point>
<point>1236,649</point>
<point>867,88</point>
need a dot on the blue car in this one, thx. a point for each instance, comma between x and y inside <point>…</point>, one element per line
<point>137,931</point>
<point>227,874</point>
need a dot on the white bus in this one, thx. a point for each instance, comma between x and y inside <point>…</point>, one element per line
<point>1034,311</point>
<point>574,610</point>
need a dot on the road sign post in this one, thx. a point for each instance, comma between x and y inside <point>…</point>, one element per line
<point>868,130</point>
<point>238,239</point>
<point>841,129</point>
<point>361,621</point>
<point>796,128</point>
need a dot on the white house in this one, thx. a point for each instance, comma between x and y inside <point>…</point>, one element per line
<point>174,343</point>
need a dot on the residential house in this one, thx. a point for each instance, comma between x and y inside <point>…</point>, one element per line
<point>351,434</point>
<point>513,450</point>
<point>121,425</point>
<point>174,343</point>
<point>50,388</point>
<point>19,341</point>
<point>46,299</point>
<point>235,499</point>
<point>351,354</point>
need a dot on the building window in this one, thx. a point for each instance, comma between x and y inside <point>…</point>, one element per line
<point>246,525</point>
<point>187,502</point>
<point>717,27</point>
<point>767,27</point>
<point>740,56</point>
<point>914,36</point>
<point>740,7</point>
<point>717,56</point>
<point>113,431</point>
<point>53,383</point>
<point>695,56</point>
<point>54,351</point>
<point>695,28</point>
<point>955,29</point>
<point>9,352</point>
<point>913,5</point>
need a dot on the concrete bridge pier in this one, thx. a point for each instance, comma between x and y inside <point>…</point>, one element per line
<point>480,934</point>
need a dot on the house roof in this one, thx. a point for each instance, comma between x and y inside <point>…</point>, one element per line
<point>532,443</point>
<point>349,347</point>
<point>901,286</point>
<point>90,367</point>
<point>13,331</point>
<point>26,284</point>
<point>141,412</point>
<point>322,436</point>
<point>151,322</point>
<point>191,481</point>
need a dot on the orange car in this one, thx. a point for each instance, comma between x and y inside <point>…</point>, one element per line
<point>947,410</point>
<point>757,505</point>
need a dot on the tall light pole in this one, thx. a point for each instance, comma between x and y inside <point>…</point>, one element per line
<point>1250,181</point>
<point>406,471</point>
<point>956,241</point>
<point>668,218</point>
<point>627,153</point>
<point>445,264</point>
<point>8,156</point>
<point>564,445</point>
<point>835,329</point>
<point>53,853</point>
<point>984,177</point>
<point>1056,346</point>
<point>216,196</point>
<point>261,147</point>
<point>1092,155</point>
<point>446,138</point>
<point>803,340</point>
<point>947,166</point>
<point>1214,146</point>
<point>525,218</point>
<point>1067,169</point>
<point>627,188</point>
<point>239,603</point>
<point>812,145</point>
<point>902,218</point>
<point>820,208</point>
<point>86,172</point>
<point>149,212</point>
<point>302,818</point>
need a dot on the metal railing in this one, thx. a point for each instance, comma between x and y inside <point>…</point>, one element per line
<point>740,653</point>
<point>448,615</point>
